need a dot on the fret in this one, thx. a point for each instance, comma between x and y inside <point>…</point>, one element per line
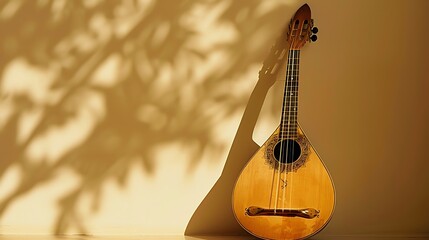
<point>290,108</point>
<point>290,99</point>
<point>284,134</point>
<point>289,115</point>
<point>293,61</point>
<point>291,102</point>
<point>290,105</point>
<point>290,128</point>
<point>290,123</point>
<point>291,90</point>
<point>287,127</point>
<point>289,136</point>
<point>289,120</point>
<point>291,84</point>
<point>288,132</point>
<point>287,111</point>
<point>293,72</point>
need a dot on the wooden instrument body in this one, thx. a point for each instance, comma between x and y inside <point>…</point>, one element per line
<point>285,190</point>
<point>307,186</point>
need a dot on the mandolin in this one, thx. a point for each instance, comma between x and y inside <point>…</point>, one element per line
<point>285,190</point>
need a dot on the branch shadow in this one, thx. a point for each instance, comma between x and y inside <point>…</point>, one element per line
<point>212,217</point>
<point>107,123</point>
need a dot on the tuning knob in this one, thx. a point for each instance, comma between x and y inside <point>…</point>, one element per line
<point>314,30</point>
<point>313,38</point>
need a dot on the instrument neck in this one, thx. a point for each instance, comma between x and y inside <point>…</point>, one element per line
<point>289,123</point>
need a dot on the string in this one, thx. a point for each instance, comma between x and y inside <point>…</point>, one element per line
<point>295,122</point>
<point>288,93</point>
<point>281,153</point>
<point>282,128</point>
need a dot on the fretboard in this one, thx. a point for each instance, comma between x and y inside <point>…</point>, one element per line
<point>288,124</point>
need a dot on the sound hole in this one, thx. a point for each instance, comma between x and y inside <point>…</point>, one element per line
<point>288,149</point>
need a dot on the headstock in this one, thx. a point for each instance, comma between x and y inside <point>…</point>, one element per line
<point>297,35</point>
<point>301,28</point>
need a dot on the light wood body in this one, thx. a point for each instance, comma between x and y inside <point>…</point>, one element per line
<point>310,186</point>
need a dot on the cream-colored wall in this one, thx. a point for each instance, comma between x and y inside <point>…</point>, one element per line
<point>119,117</point>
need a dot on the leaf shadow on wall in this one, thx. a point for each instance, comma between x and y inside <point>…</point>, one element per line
<point>214,215</point>
<point>109,81</point>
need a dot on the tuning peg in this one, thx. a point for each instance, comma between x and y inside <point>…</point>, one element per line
<point>314,30</point>
<point>313,38</point>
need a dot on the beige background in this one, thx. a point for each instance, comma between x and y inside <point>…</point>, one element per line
<point>118,117</point>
